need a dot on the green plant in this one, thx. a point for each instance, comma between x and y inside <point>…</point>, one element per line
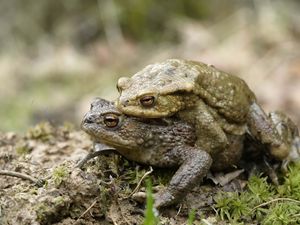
<point>150,217</point>
<point>291,186</point>
<point>233,206</point>
<point>59,174</point>
<point>262,202</point>
<point>42,131</point>
<point>191,217</point>
<point>283,213</point>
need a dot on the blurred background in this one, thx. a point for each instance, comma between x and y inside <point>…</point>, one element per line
<point>56,56</point>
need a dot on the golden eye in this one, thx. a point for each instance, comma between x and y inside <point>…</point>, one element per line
<point>111,120</point>
<point>147,101</point>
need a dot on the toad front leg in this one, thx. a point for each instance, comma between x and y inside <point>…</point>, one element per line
<point>210,135</point>
<point>195,164</point>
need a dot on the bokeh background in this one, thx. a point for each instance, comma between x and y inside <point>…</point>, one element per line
<point>56,56</point>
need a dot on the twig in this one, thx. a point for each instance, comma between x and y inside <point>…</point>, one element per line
<point>88,209</point>
<point>140,181</point>
<point>36,181</point>
<point>275,200</point>
<point>179,210</point>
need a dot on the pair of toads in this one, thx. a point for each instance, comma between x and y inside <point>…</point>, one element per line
<point>190,115</point>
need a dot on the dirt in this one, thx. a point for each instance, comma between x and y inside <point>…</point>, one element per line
<point>99,193</point>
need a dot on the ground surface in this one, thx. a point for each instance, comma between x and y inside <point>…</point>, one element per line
<point>100,193</point>
<point>109,189</point>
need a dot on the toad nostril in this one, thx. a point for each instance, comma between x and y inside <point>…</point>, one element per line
<point>89,119</point>
<point>125,103</point>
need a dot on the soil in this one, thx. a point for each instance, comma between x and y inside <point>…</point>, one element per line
<point>99,193</point>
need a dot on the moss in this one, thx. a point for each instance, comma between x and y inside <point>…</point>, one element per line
<point>231,207</point>
<point>263,202</point>
<point>42,131</point>
<point>291,186</point>
<point>58,201</point>
<point>23,148</point>
<point>52,209</point>
<point>40,210</point>
<point>59,175</point>
<point>105,198</point>
<point>283,213</point>
<point>260,190</point>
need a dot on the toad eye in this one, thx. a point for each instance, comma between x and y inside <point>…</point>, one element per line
<point>111,120</point>
<point>147,100</point>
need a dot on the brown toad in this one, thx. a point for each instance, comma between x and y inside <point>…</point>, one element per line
<point>153,143</point>
<point>171,144</point>
<point>215,102</point>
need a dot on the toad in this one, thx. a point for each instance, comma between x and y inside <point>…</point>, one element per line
<point>214,102</point>
<point>156,144</point>
<point>160,143</point>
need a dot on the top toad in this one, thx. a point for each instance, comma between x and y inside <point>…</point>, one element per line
<point>215,102</point>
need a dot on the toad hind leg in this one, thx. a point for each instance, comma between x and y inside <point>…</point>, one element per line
<point>195,164</point>
<point>262,128</point>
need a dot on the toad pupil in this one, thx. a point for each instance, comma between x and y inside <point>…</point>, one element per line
<point>147,101</point>
<point>111,120</point>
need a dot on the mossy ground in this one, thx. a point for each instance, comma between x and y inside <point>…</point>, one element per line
<point>102,191</point>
